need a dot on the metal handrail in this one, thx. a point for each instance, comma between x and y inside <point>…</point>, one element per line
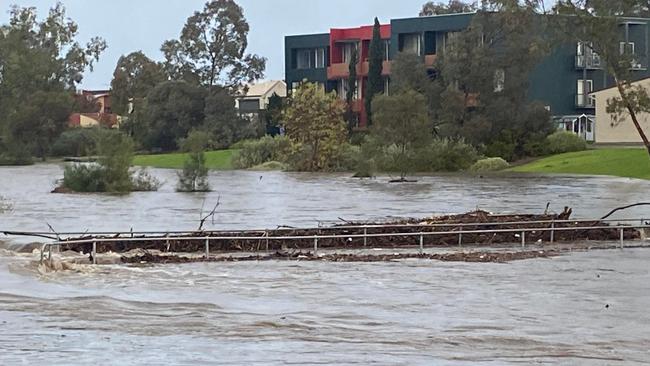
<point>342,227</point>
<point>317,237</point>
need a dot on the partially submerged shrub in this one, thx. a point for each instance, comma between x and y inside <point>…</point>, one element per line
<point>84,178</point>
<point>5,205</point>
<point>447,155</point>
<point>143,181</point>
<point>194,176</point>
<point>489,165</point>
<point>270,166</point>
<point>255,152</point>
<point>112,172</point>
<point>565,141</point>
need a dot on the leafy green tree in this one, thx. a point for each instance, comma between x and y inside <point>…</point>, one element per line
<point>194,176</point>
<point>41,63</point>
<point>452,7</point>
<point>273,114</point>
<point>212,48</point>
<point>134,77</point>
<point>596,23</point>
<point>352,89</point>
<point>115,157</point>
<point>399,121</point>
<point>173,109</point>
<point>314,120</point>
<point>485,74</point>
<point>375,65</point>
<point>223,121</point>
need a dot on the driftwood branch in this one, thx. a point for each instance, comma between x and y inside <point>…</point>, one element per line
<point>624,208</point>
<point>21,233</point>
<point>209,215</point>
<point>58,237</point>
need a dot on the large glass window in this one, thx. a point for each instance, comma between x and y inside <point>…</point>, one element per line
<point>347,51</point>
<point>320,58</point>
<point>411,43</point>
<point>303,59</point>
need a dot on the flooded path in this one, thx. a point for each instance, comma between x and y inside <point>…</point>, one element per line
<point>587,308</point>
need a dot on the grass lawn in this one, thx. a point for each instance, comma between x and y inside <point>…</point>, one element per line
<point>632,163</point>
<point>217,160</point>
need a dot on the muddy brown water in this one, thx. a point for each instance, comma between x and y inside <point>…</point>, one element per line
<point>587,308</point>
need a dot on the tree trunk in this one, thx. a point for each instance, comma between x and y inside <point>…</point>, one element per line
<point>635,120</point>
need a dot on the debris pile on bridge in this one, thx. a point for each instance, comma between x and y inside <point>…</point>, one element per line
<point>350,235</point>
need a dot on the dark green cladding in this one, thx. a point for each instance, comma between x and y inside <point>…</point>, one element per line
<point>553,82</point>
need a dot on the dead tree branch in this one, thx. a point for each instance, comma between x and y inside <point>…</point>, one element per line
<point>210,215</point>
<point>624,208</point>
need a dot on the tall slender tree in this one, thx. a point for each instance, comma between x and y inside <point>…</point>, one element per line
<point>352,89</point>
<point>375,59</point>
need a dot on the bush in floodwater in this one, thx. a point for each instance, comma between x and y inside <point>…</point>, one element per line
<point>489,165</point>
<point>84,178</point>
<point>194,176</point>
<point>112,172</point>
<point>256,152</point>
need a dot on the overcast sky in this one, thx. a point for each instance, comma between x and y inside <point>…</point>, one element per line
<point>131,25</point>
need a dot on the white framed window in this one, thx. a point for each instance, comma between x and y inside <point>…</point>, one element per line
<point>319,57</point>
<point>499,80</point>
<point>347,51</point>
<point>626,48</point>
<point>584,96</point>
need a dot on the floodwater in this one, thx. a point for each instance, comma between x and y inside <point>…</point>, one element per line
<point>586,308</point>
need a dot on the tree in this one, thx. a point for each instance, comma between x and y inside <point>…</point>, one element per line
<point>485,74</point>
<point>452,7</point>
<point>223,122</point>
<point>352,89</point>
<point>314,120</point>
<point>596,24</point>
<point>375,64</point>
<point>194,176</point>
<point>399,120</point>
<point>273,114</point>
<point>174,108</point>
<point>41,63</point>
<point>115,157</point>
<point>134,77</point>
<point>212,48</point>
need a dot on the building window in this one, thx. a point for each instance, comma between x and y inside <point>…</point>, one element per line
<point>584,97</point>
<point>626,48</point>
<point>411,43</point>
<point>347,51</point>
<point>499,80</point>
<point>319,56</point>
<point>386,50</point>
<point>303,59</point>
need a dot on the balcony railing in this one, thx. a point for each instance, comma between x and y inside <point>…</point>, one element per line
<point>588,62</point>
<point>585,101</point>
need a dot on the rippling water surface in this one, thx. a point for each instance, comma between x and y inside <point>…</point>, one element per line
<point>580,309</point>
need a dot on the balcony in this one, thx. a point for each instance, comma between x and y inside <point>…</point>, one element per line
<point>357,105</point>
<point>591,62</point>
<point>585,101</point>
<point>430,60</point>
<point>342,70</point>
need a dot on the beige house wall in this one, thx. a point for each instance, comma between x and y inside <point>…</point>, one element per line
<point>86,122</point>
<point>610,130</point>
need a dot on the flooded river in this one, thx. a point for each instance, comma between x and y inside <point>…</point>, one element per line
<point>580,309</point>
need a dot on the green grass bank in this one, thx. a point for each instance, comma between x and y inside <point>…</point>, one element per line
<point>216,160</point>
<point>621,162</point>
